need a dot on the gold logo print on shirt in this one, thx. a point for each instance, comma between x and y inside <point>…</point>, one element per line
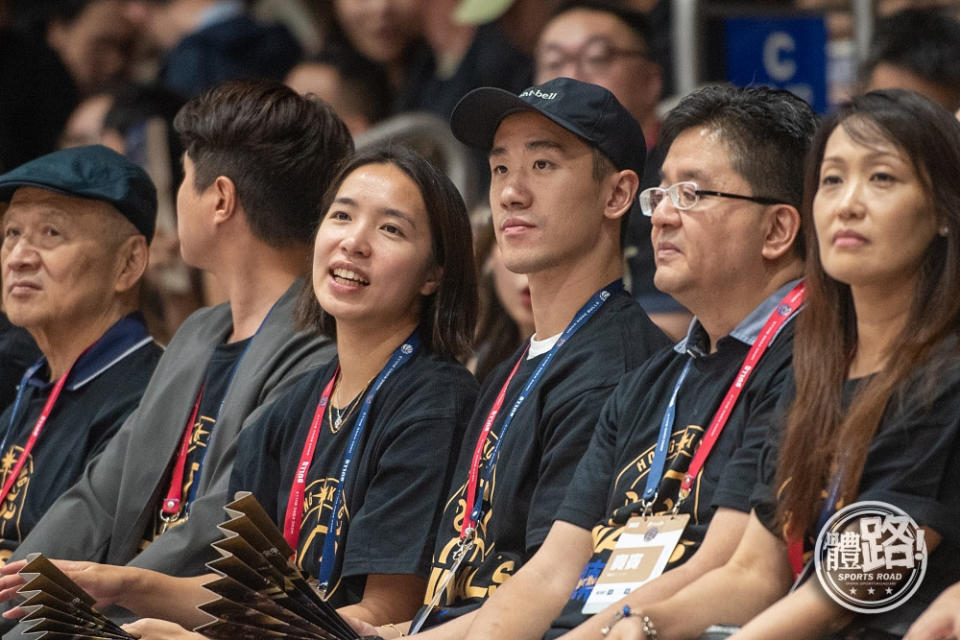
<point>12,508</point>
<point>683,443</point>
<point>465,585</point>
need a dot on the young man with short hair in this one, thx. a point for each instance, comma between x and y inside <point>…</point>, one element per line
<point>258,158</point>
<point>565,159</point>
<point>681,436</point>
<point>608,43</point>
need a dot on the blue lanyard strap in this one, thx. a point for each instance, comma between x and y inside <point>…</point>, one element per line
<point>401,356</point>
<point>663,442</point>
<point>582,316</point>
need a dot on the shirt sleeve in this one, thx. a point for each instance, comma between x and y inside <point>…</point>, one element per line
<point>585,499</point>
<point>913,460</point>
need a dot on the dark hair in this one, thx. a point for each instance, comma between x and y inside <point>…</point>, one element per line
<point>924,42</point>
<point>448,315</point>
<point>136,104</point>
<point>34,16</point>
<point>279,148</point>
<point>819,430</point>
<point>635,20</point>
<point>767,131</point>
<point>498,336</point>
<point>365,87</point>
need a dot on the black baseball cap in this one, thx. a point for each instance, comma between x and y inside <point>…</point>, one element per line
<point>587,110</point>
<point>93,172</point>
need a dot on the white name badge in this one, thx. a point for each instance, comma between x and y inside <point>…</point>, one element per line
<point>642,551</point>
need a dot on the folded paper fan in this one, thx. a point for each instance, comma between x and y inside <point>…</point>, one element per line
<point>262,593</point>
<point>57,607</point>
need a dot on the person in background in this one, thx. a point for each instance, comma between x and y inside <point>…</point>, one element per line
<point>206,42</point>
<point>139,123</point>
<point>460,57</point>
<point>916,49</point>
<point>75,249</point>
<point>606,43</point>
<point>355,87</point>
<point>385,33</point>
<point>37,96</point>
<point>506,317</point>
<point>92,38</point>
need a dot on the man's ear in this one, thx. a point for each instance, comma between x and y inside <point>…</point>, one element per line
<point>782,226</point>
<point>622,190</point>
<point>133,255</point>
<point>227,203</point>
<point>432,282</point>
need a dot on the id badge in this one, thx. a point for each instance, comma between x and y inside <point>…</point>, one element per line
<point>642,551</point>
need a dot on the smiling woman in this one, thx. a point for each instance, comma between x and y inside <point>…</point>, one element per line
<point>394,281</point>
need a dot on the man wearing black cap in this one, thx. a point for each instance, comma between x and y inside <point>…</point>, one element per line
<point>662,494</point>
<point>564,160</point>
<point>75,238</point>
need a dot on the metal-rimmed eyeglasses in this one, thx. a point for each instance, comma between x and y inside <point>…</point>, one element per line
<point>686,195</point>
<point>592,59</point>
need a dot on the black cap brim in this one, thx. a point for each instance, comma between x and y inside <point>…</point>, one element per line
<point>475,119</point>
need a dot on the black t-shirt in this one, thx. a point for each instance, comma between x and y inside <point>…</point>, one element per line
<point>395,486</point>
<point>548,436</point>
<point>216,382</point>
<point>610,480</point>
<point>103,388</point>
<point>17,352</point>
<point>913,463</point>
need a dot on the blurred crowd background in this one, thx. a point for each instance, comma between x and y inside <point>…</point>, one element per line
<point>115,72</point>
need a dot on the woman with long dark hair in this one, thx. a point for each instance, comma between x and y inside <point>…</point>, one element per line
<point>875,415</point>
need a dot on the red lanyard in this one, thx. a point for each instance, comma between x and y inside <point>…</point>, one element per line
<point>790,304</point>
<point>795,555</point>
<point>294,516</point>
<point>474,475</point>
<point>171,504</point>
<point>37,428</point>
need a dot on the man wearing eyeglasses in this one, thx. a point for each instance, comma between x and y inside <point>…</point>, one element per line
<point>608,44</point>
<point>603,43</point>
<point>662,494</point>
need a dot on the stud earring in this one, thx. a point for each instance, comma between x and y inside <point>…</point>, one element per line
<point>944,231</point>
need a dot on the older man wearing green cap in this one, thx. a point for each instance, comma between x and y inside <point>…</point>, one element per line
<point>75,238</point>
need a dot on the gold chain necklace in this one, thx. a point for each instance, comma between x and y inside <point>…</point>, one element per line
<point>343,416</point>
